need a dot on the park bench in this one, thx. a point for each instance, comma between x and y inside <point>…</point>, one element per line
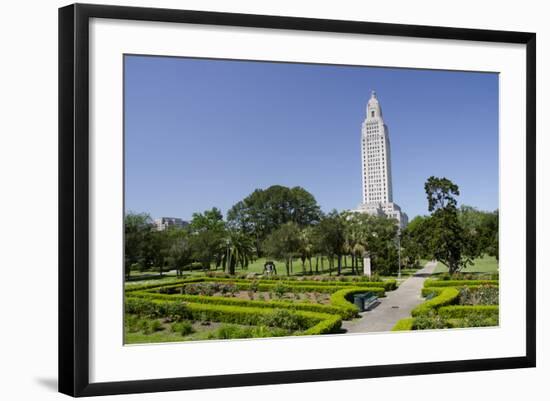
<point>364,301</point>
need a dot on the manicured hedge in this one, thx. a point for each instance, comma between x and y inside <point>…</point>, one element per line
<point>447,296</point>
<point>313,322</point>
<point>426,291</point>
<point>458,283</point>
<point>176,282</point>
<point>292,286</point>
<point>404,324</point>
<point>331,324</point>
<point>388,285</point>
<point>466,311</point>
<point>344,299</point>
<point>214,300</point>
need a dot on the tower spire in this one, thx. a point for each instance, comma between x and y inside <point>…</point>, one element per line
<point>373,106</point>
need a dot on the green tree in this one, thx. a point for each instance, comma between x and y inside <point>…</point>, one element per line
<point>447,240</point>
<point>381,239</point>
<point>356,234</point>
<point>413,241</point>
<point>330,234</point>
<point>239,250</point>
<point>489,229</point>
<point>208,220</point>
<point>283,243</point>
<point>207,237</point>
<point>179,252</point>
<point>306,247</point>
<point>481,227</point>
<point>263,211</point>
<point>137,226</point>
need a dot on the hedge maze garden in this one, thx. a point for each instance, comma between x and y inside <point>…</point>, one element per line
<point>455,304</point>
<point>221,307</point>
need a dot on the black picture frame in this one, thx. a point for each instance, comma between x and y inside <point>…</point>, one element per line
<point>74,198</point>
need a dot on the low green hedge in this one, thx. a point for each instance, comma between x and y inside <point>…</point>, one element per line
<point>388,285</point>
<point>311,322</point>
<point>214,300</point>
<point>427,291</point>
<point>458,283</point>
<point>292,287</point>
<point>404,324</point>
<point>331,324</point>
<point>175,282</point>
<point>343,299</point>
<point>467,311</point>
<point>447,296</point>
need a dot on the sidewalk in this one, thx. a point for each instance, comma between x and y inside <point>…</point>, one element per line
<point>396,305</point>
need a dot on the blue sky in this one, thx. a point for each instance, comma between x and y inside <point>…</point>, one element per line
<point>204,133</point>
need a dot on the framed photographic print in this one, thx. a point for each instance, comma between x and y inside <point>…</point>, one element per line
<point>251,199</point>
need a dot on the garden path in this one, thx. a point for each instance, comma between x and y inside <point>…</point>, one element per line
<point>395,306</point>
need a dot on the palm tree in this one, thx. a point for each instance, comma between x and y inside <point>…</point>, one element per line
<point>240,250</point>
<point>306,246</point>
<point>356,234</point>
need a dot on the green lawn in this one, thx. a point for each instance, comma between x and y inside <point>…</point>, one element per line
<point>485,264</point>
<point>258,267</point>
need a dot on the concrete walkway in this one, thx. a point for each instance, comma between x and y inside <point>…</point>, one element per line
<point>395,306</point>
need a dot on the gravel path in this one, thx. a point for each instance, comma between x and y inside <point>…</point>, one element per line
<point>395,306</point>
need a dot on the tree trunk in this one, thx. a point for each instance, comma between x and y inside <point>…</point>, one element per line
<point>339,264</point>
<point>316,264</point>
<point>287,265</point>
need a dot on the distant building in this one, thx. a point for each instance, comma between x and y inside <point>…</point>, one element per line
<point>162,223</point>
<point>376,163</point>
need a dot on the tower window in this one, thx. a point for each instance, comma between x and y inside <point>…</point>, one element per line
<point>372,113</point>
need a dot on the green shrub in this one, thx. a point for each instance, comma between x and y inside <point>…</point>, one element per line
<point>143,326</point>
<point>430,322</point>
<point>147,308</point>
<point>235,314</point>
<point>345,312</point>
<point>447,296</point>
<point>284,319</point>
<point>431,292</point>
<point>331,324</point>
<point>172,282</point>
<point>131,323</point>
<point>465,311</point>
<point>183,328</point>
<point>154,325</point>
<point>458,283</point>
<point>474,321</point>
<point>280,289</point>
<point>231,331</point>
<point>479,295</point>
<point>403,325</point>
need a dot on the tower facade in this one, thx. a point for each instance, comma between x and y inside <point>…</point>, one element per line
<point>376,165</point>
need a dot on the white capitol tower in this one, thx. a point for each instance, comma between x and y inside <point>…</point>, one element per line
<point>376,163</point>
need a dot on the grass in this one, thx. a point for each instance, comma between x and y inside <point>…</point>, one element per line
<point>209,331</point>
<point>485,264</point>
<point>256,267</point>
